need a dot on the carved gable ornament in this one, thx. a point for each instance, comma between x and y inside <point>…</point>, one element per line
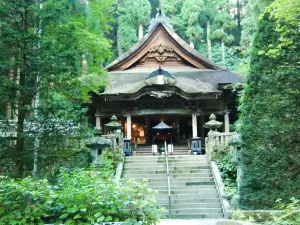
<point>160,77</point>
<point>160,54</point>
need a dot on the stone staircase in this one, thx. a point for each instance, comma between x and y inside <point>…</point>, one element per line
<point>193,190</point>
<point>146,150</point>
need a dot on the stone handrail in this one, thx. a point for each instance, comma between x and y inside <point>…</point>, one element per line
<point>214,139</point>
<point>119,170</point>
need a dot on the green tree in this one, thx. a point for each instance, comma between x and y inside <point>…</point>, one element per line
<point>134,15</point>
<point>41,54</point>
<point>270,111</point>
<point>231,60</point>
<point>223,23</point>
<point>190,14</point>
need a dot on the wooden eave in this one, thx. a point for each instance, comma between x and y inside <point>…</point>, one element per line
<point>176,91</point>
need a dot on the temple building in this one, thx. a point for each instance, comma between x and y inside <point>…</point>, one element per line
<point>162,78</point>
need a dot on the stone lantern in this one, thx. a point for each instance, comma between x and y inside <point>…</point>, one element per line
<point>97,144</point>
<point>115,133</point>
<point>236,142</point>
<point>113,126</point>
<point>213,125</point>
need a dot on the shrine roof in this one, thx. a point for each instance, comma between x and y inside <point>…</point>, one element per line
<point>189,81</point>
<point>161,34</point>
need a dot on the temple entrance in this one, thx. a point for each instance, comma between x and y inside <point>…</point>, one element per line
<point>142,133</point>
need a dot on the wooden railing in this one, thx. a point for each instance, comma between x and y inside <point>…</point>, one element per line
<point>216,139</point>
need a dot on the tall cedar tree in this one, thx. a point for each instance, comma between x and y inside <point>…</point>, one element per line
<point>271,114</point>
<point>134,15</point>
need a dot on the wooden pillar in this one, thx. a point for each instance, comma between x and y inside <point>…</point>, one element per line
<point>98,118</point>
<point>147,130</point>
<point>177,130</point>
<point>128,133</point>
<point>226,121</point>
<point>194,124</point>
<point>202,126</point>
<point>98,121</point>
<point>123,125</point>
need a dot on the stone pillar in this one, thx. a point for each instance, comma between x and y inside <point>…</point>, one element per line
<point>128,133</point>
<point>226,121</point>
<point>194,124</point>
<point>202,126</point>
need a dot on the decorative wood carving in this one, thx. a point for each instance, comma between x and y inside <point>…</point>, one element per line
<point>161,54</point>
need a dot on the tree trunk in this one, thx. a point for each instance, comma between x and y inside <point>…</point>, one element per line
<point>10,78</point>
<point>160,4</point>
<point>192,44</point>
<point>238,18</point>
<point>223,49</point>
<point>119,38</point>
<point>208,40</point>
<point>84,64</point>
<point>141,31</point>
<point>20,128</point>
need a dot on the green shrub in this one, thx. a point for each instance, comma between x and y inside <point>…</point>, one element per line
<point>223,157</point>
<point>284,214</point>
<point>80,197</point>
<point>290,215</point>
<point>114,156</point>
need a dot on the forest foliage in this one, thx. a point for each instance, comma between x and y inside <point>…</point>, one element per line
<point>45,47</point>
<point>270,114</point>
<point>52,54</point>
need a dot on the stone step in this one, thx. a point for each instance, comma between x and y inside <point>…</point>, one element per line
<point>173,172</point>
<point>171,164</point>
<point>163,157</point>
<point>196,210</point>
<point>193,205</point>
<point>188,182</point>
<point>197,216</point>
<point>179,187</point>
<point>165,201</point>
<point>162,167</point>
<point>172,175</point>
<point>163,160</point>
<point>209,192</point>
<point>200,196</point>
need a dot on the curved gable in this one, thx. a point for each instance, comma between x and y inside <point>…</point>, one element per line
<point>161,47</point>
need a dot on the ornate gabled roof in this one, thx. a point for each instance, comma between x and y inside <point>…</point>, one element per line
<point>161,46</point>
<point>188,83</point>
